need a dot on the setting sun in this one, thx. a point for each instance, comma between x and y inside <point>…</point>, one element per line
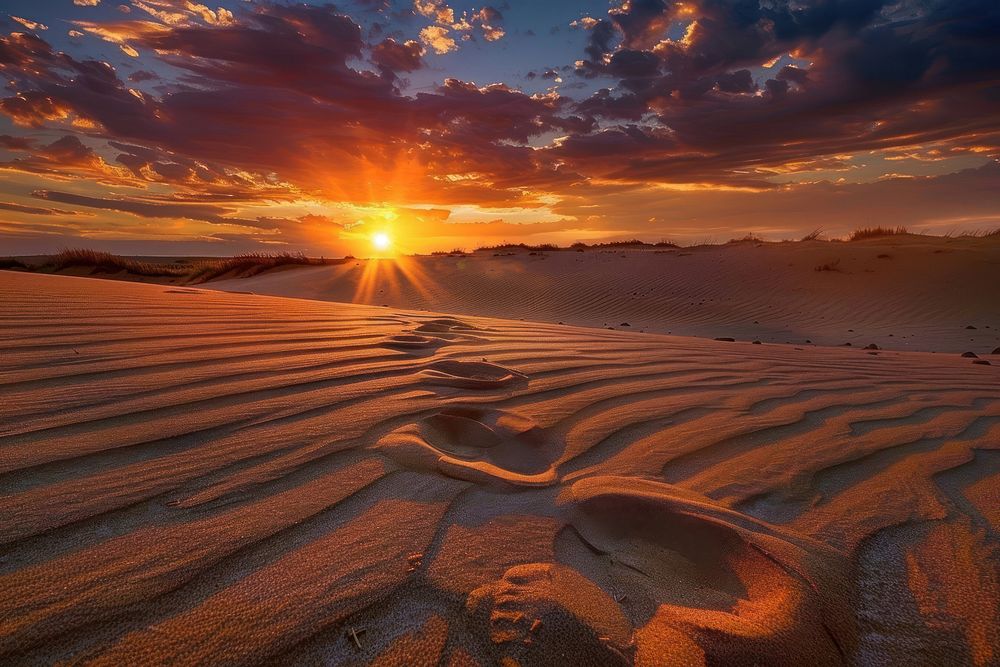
<point>381,241</point>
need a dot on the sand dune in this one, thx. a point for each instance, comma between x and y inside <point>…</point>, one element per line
<point>194,477</point>
<point>901,292</point>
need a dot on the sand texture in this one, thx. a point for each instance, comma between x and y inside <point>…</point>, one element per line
<point>901,292</point>
<point>194,477</point>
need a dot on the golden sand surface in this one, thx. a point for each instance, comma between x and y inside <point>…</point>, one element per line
<point>194,477</point>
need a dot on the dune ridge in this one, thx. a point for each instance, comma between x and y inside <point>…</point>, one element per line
<point>901,292</point>
<point>190,476</point>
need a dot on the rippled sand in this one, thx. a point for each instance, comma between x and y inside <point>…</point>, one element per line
<point>917,293</point>
<point>197,477</point>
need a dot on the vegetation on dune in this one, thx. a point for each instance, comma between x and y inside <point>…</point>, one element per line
<point>830,266</point>
<point>876,232</point>
<point>579,245</point>
<point>749,238</point>
<point>454,252</point>
<point>105,262</point>
<point>629,243</point>
<point>12,264</point>
<point>248,264</point>
<point>195,271</point>
<point>200,270</point>
<point>981,234</point>
<point>521,246</point>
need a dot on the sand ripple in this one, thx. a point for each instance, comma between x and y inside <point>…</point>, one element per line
<point>243,479</point>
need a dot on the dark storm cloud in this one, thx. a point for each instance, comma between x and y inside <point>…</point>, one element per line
<point>602,38</point>
<point>868,80</point>
<point>394,56</point>
<point>740,81</point>
<point>141,75</point>
<point>641,22</point>
<point>630,64</point>
<point>15,143</point>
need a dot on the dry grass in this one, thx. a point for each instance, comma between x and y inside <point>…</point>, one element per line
<point>634,243</point>
<point>11,264</point>
<point>749,238</point>
<point>981,233</point>
<point>248,264</point>
<point>578,246</point>
<point>522,246</point>
<point>813,235</point>
<point>876,232</point>
<point>196,271</point>
<point>105,262</point>
<point>830,266</point>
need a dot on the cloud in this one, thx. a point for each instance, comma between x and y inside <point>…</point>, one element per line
<point>394,56</point>
<point>152,207</point>
<point>863,80</point>
<point>438,39</point>
<point>33,108</point>
<point>15,143</point>
<point>67,158</point>
<point>33,210</point>
<point>141,75</point>
<point>273,98</point>
<point>30,25</point>
<point>703,215</point>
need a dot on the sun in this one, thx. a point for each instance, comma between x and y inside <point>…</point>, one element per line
<point>381,241</point>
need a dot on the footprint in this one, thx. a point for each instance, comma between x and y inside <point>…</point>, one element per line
<point>445,325</point>
<point>449,328</point>
<point>412,342</point>
<point>713,579</point>
<point>540,613</point>
<point>471,375</point>
<point>481,445</point>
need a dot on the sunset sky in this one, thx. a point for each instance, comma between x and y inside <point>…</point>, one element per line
<point>170,127</point>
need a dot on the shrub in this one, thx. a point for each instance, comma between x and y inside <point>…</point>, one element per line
<point>749,238</point>
<point>198,271</point>
<point>105,262</point>
<point>876,232</point>
<point>515,246</point>
<point>247,264</point>
<point>11,263</point>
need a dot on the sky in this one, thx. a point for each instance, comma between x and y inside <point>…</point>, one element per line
<point>169,127</point>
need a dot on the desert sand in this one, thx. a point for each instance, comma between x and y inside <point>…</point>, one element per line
<point>191,476</point>
<point>905,292</point>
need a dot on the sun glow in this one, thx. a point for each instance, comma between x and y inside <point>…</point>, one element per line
<point>381,241</point>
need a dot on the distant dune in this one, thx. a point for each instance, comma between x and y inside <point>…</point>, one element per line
<point>900,292</point>
<point>197,477</point>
